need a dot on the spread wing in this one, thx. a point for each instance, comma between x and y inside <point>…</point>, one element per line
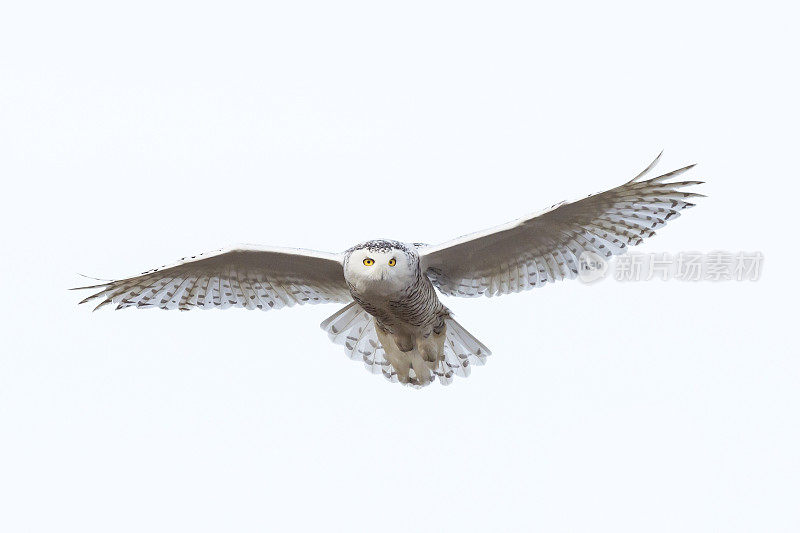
<point>243,276</point>
<point>546,247</point>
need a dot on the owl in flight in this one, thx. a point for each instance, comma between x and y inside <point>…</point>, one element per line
<point>393,320</point>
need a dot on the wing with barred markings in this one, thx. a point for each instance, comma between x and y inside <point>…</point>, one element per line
<point>546,247</point>
<point>244,276</point>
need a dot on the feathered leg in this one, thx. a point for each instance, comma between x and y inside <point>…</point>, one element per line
<point>396,357</point>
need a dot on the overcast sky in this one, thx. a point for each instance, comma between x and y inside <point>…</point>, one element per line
<point>132,135</point>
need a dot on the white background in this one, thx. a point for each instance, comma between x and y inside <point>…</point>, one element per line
<point>132,135</point>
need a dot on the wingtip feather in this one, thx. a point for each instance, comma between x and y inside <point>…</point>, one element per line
<point>649,167</point>
<point>87,287</point>
<point>91,297</point>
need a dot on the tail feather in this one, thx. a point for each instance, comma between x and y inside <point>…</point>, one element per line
<point>475,349</point>
<point>461,351</point>
<point>354,328</point>
<point>339,325</point>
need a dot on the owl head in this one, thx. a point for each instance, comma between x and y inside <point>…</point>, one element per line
<point>381,266</point>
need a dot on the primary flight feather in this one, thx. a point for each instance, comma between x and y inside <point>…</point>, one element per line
<point>394,321</point>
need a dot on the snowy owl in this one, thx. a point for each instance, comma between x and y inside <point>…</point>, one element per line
<point>394,321</point>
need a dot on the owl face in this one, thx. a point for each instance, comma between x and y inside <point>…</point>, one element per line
<point>383,269</point>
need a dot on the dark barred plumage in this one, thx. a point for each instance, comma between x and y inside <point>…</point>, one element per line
<point>381,245</point>
<point>420,306</point>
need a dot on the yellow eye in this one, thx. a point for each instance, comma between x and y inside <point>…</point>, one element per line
<point>369,262</point>
<point>392,262</point>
